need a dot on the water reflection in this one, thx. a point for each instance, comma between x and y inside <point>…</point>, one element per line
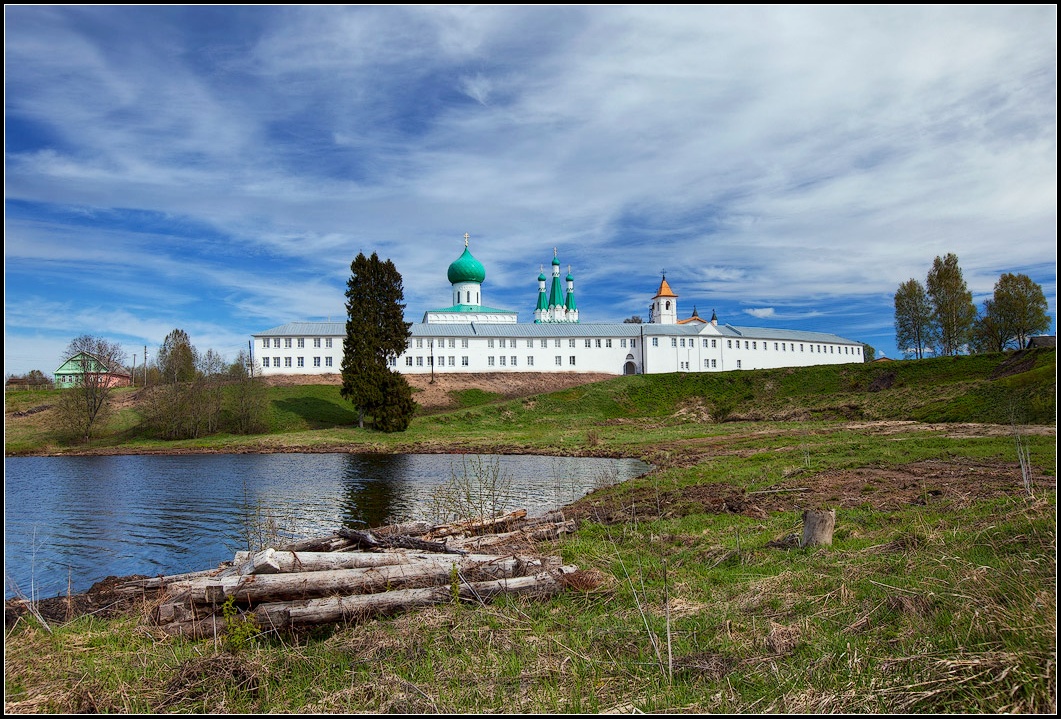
<point>373,490</point>
<point>80,519</point>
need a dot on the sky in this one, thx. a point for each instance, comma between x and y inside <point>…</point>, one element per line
<point>217,169</point>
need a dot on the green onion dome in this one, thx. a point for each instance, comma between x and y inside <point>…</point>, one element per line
<point>466,269</point>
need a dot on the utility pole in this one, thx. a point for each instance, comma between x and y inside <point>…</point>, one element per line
<point>134,369</point>
<point>145,366</point>
<point>250,357</point>
<point>431,344</point>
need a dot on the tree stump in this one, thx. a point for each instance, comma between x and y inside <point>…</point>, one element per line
<point>818,527</point>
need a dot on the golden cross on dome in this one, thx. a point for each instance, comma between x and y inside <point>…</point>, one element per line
<point>466,236</point>
<point>554,252</point>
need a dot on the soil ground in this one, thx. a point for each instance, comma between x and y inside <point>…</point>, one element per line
<point>433,393</point>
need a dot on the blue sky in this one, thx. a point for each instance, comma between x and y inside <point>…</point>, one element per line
<point>217,169</point>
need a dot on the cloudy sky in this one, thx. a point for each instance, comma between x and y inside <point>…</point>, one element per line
<point>217,169</point>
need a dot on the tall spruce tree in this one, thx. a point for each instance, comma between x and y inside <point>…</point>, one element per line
<point>376,332</point>
<point>913,319</point>
<point>953,311</point>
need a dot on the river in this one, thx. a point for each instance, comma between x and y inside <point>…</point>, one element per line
<point>71,521</point>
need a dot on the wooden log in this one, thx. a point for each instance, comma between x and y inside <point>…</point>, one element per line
<point>538,533</point>
<point>348,608</point>
<point>818,527</point>
<point>331,543</point>
<point>274,587</point>
<point>272,561</point>
<point>416,528</point>
<point>479,526</point>
<point>136,586</point>
<point>367,540</point>
<point>277,615</point>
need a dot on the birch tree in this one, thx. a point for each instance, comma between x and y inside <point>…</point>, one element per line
<point>953,311</point>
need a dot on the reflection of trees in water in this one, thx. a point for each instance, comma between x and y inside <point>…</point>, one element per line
<point>379,489</point>
<point>374,488</point>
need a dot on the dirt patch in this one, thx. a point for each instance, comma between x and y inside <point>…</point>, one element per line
<point>1020,361</point>
<point>918,483</point>
<point>434,393</point>
<point>437,394</point>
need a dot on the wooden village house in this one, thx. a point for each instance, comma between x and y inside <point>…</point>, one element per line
<point>71,372</point>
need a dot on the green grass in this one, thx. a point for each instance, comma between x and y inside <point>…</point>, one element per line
<point>946,389</point>
<point>473,397</point>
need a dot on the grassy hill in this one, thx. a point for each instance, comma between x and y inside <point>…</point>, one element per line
<point>1012,388</point>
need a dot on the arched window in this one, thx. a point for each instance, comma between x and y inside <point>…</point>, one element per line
<point>668,304</point>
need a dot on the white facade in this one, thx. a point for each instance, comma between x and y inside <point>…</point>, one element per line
<point>317,348</point>
<point>471,338</point>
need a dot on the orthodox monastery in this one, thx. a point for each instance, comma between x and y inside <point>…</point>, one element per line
<point>469,336</point>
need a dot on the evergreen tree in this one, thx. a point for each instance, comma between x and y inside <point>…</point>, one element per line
<point>376,333</point>
<point>913,319</point>
<point>953,311</point>
<point>396,409</point>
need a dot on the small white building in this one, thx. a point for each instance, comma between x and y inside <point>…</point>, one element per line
<point>471,337</point>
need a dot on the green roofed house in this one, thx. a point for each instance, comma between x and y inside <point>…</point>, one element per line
<point>72,371</point>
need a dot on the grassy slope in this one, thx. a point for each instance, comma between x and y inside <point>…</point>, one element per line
<point>950,389</point>
<point>941,606</point>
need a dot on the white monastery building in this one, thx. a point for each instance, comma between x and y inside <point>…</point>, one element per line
<point>471,337</point>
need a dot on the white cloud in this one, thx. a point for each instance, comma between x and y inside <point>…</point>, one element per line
<point>766,157</point>
<point>761,313</point>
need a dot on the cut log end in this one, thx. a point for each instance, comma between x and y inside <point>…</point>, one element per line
<point>818,527</point>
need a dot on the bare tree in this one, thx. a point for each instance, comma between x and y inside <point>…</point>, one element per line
<point>210,384</point>
<point>248,400</point>
<point>175,407</point>
<point>84,407</point>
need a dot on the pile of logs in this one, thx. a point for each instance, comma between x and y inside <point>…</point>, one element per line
<point>353,574</point>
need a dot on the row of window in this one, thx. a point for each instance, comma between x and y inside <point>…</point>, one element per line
<point>502,343</point>
<point>491,361</point>
<point>301,362</point>
<point>300,342</point>
<point>754,345</point>
<point>419,361</point>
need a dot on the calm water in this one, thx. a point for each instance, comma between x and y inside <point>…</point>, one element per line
<point>80,519</point>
